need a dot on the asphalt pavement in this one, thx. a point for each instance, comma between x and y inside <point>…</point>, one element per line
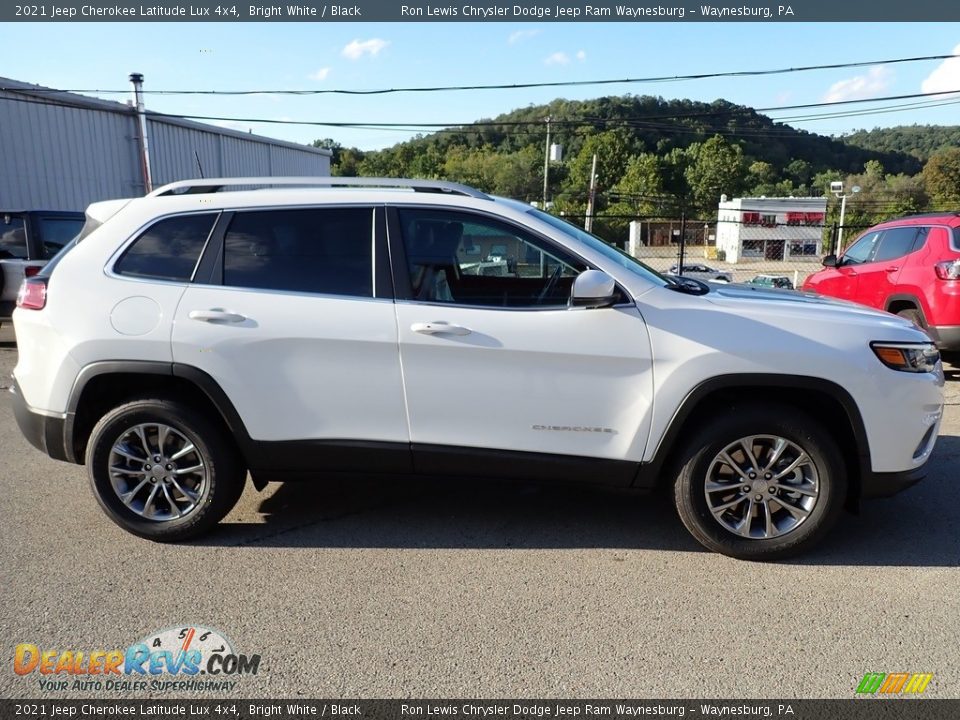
<point>425,589</point>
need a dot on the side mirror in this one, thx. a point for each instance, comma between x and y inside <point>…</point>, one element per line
<point>830,261</point>
<point>593,289</point>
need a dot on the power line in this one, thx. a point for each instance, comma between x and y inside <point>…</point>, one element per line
<point>524,123</point>
<point>628,122</point>
<point>523,86</point>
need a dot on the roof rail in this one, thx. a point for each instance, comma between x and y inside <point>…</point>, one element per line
<point>212,185</point>
<point>929,214</point>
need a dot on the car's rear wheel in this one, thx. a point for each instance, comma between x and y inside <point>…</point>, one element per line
<point>762,482</point>
<point>163,471</point>
<point>914,316</point>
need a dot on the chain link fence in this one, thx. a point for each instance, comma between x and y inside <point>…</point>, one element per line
<point>766,253</point>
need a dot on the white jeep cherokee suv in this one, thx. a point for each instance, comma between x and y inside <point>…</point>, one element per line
<point>192,336</point>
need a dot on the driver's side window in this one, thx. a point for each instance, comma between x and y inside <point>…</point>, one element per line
<point>465,259</point>
<point>862,250</point>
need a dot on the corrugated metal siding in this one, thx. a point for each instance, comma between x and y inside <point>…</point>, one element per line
<point>57,157</point>
<point>287,161</point>
<point>174,151</point>
<point>60,157</point>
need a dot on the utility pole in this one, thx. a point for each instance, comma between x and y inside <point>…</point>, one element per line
<point>683,239</point>
<point>137,80</point>
<point>591,197</point>
<point>546,165</point>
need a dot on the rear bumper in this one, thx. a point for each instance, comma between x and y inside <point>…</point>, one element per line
<point>947,337</point>
<point>44,432</point>
<point>880,485</point>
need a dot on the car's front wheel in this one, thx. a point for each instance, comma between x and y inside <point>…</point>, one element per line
<point>162,470</point>
<point>761,482</point>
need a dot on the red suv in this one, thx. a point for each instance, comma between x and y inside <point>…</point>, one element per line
<point>909,266</point>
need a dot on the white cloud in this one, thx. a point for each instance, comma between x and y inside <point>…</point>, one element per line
<point>945,77</point>
<point>581,55</point>
<point>356,49</point>
<point>861,87</point>
<point>320,75</point>
<point>558,58</point>
<point>521,35</point>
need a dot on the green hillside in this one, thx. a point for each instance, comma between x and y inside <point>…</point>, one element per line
<point>661,158</point>
<point>921,141</point>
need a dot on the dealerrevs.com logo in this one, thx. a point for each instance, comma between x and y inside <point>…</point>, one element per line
<point>185,658</point>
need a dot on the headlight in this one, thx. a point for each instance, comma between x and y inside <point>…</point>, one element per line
<point>908,357</point>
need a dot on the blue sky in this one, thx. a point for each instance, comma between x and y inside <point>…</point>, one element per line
<point>258,56</point>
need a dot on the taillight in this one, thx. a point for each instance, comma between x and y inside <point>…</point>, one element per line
<point>949,270</point>
<point>33,294</point>
<point>31,270</point>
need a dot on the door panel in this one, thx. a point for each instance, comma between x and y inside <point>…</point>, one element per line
<point>294,336</point>
<point>571,382</point>
<point>878,278</point>
<point>493,358</point>
<point>298,366</point>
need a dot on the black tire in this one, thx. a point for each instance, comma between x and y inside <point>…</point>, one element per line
<point>914,316</point>
<point>217,487</point>
<point>701,456</point>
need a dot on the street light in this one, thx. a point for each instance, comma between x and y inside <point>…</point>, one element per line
<point>546,165</point>
<point>836,188</point>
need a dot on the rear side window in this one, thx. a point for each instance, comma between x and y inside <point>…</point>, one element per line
<point>323,250</point>
<point>169,249</point>
<point>57,232</point>
<point>895,243</point>
<point>13,238</point>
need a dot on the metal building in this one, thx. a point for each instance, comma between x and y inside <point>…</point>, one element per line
<point>62,151</point>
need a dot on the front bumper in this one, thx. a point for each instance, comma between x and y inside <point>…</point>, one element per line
<point>44,432</point>
<point>881,485</point>
<point>947,337</point>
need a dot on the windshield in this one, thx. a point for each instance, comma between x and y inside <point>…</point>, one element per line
<point>611,252</point>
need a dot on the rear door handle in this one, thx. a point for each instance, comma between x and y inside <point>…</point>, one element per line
<point>439,328</point>
<point>216,315</point>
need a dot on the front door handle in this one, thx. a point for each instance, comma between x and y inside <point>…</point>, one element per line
<point>216,315</point>
<point>439,327</point>
<point>893,268</point>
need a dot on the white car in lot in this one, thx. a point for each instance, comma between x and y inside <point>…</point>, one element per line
<point>192,336</point>
<point>699,271</point>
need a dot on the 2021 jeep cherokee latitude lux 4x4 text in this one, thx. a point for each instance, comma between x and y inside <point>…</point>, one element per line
<point>189,337</point>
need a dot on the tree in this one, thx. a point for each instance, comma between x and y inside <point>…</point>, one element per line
<point>941,178</point>
<point>761,178</point>
<point>799,171</point>
<point>718,168</point>
<point>612,150</point>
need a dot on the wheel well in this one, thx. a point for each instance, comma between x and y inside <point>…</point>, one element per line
<point>898,305</point>
<point>819,404</point>
<point>104,392</point>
